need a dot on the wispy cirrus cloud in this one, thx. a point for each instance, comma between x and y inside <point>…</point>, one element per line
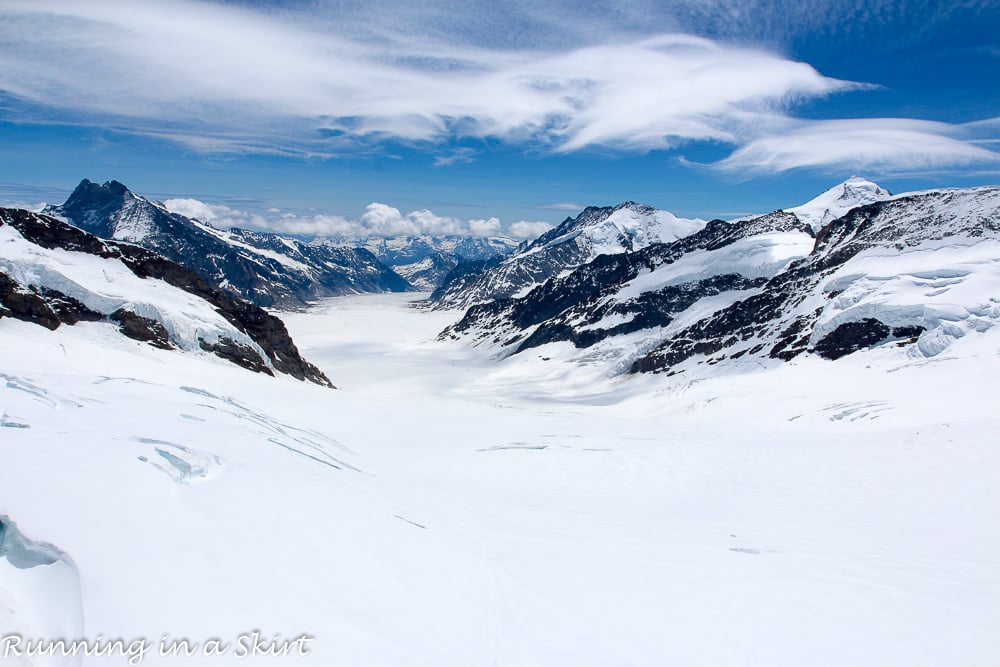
<point>30,197</point>
<point>377,220</point>
<point>560,206</point>
<point>315,81</point>
<point>219,75</point>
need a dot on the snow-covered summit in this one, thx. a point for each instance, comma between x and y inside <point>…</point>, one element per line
<point>597,231</point>
<point>627,227</point>
<point>110,211</point>
<point>838,200</point>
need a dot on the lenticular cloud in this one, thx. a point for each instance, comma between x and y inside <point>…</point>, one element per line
<point>870,143</point>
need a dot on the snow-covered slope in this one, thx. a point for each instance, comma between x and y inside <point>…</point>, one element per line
<point>918,268</point>
<point>267,269</point>
<point>595,232</point>
<point>52,274</point>
<point>428,273</point>
<point>445,509</point>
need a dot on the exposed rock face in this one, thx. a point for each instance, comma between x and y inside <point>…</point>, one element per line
<point>141,328</point>
<point>26,304</point>
<point>266,269</point>
<point>46,307</point>
<point>768,287</point>
<point>851,337</point>
<point>50,308</point>
<point>241,355</point>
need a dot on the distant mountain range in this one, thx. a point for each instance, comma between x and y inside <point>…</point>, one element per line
<point>268,269</point>
<point>425,261</point>
<point>635,288</point>
<point>855,268</point>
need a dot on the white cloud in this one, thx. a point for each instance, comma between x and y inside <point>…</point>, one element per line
<point>489,227</point>
<point>527,230</point>
<point>877,144</point>
<point>20,203</point>
<point>455,156</point>
<point>195,208</point>
<point>383,220</point>
<point>377,220</point>
<point>194,71</point>
<point>310,226</point>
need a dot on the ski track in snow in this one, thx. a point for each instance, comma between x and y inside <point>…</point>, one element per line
<point>522,512</point>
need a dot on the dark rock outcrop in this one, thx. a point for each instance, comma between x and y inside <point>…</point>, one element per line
<point>241,355</point>
<point>46,307</point>
<point>852,336</point>
<point>141,328</point>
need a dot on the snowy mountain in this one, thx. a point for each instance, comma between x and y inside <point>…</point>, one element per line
<point>838,200</point>
<point>428,273</point>
<point>266,269</point>
<point>596,231</point>
<point>916,269</point>
<point>52,273</point>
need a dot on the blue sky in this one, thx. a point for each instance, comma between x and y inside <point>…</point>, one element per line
<point>328,117</point>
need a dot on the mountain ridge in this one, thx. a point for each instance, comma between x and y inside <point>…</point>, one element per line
<point>735,289</point>
<point>266,269</point>
<point>595,231</point>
